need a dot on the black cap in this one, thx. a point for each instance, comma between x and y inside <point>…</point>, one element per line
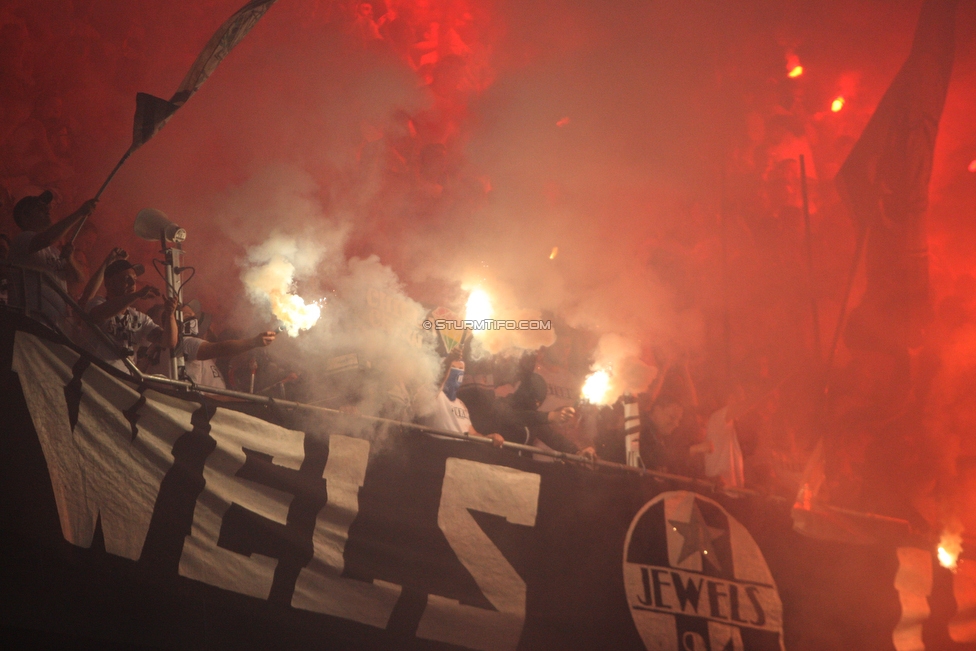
<point>121,265</point>
<point>531,392</point>
<point>25,206</point>
<point>203,318</point>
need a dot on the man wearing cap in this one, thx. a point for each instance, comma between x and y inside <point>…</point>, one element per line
<point>33,216</point>
<point>34,247</point>
<point>125,325</point>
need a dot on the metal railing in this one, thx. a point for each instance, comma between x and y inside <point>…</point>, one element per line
<point>188,387</point>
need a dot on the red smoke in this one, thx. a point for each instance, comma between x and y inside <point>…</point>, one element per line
<point>431,129</point>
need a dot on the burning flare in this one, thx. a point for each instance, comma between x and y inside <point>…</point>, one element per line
<point>950,546</point>
<point>273,281</point>
<point>793,67</point>
<point>837,104</point>
<point>478,306</point>
<point>508,326</point>
<point>619,370</point>
<point>596,388</point>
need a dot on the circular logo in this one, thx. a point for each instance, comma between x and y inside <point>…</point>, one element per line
<point>697,581</point>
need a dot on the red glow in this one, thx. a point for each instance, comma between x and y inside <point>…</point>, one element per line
<point>837,104</point>
<point>562,122</point>
<point>972,166</point>
<point>795,72</point>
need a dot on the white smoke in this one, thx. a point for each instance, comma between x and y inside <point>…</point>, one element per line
<point>361,341</point>
<point>376,329</point>
<point>270,275</point>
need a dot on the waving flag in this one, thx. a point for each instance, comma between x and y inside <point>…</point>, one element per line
<point>885,180</point>
<point>153,112</point>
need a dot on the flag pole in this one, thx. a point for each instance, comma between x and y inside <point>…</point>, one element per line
<point>100,190</point>
<point>809,247</point>
<point>112,173</point>
<point>862,237</point>
<point>723,218</point>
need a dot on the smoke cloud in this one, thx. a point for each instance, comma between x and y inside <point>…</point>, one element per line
<point>390,163</point>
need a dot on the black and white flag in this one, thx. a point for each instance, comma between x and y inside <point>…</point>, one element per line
<point>153,112</point>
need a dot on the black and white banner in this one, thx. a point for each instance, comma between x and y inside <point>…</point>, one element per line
<point>155,520</point>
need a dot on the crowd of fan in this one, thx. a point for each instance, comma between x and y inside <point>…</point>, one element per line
<point>131,333</point>
<point>678,434</point>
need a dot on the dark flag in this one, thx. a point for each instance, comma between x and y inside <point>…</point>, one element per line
<point>885,181</point>
<point>152,112</point>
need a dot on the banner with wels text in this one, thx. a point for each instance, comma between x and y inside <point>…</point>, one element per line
<point>217,528</point>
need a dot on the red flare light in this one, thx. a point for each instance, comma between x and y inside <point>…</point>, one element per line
<point>972,166</point>
<point>795,72</point>
<point>562,122</point>
<point>837,104</point>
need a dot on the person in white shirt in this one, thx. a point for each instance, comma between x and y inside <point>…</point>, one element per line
<point>34,247</point>
<point>725,460</point>
<point>126,326</point>
<point>449,413</point>
<point>200,355</point>
<point>446,411</point>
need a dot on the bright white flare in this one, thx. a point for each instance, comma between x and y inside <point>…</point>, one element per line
<point>272,281</point>
<point>295,314</point>
<point>950,546</point>
<point>596,388</point>
<point>478,307</point>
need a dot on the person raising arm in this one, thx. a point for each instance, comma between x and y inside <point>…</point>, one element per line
<point>50,233</point>
<point>33,216</point>
<point>95,282</point>
<point>127,326</point>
